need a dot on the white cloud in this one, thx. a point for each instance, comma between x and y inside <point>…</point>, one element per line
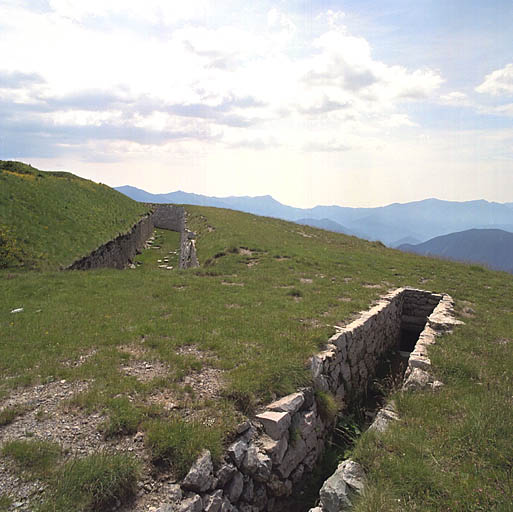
<point>498,82</point>
<point>455,98</point>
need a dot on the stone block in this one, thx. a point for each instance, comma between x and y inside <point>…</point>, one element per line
<point>295,454</point>
<point>235,487</point>
<point>275,449</point>
<point>237,451</point>
<point>275,423</point>
<point>257,464</point>
<point>290,403</point>
<point>201,475</point>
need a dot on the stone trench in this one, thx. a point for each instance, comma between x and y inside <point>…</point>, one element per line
<point>274,452</point>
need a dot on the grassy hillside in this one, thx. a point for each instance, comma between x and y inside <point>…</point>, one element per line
<point>49,219</point>
<point>182,356</point>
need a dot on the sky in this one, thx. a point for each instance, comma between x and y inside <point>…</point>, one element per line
<point>354,103</point>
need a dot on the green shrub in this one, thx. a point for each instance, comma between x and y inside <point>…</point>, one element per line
<point>34,458</point>
<point>95,483</point>
<point>178,443</point>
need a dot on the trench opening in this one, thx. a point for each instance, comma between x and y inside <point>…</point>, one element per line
<point>355,419</point>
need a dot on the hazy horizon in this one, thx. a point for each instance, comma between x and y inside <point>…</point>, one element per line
<point>350,103</point>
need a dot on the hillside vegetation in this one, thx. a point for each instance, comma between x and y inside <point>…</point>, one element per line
<point>49,219</point>
<point>180,357</point>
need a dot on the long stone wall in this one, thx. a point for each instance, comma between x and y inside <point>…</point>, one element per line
<point>120,251</point>
<point>117,253</point>
<point>274,452</point>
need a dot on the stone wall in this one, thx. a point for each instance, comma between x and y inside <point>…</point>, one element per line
<point>174,218</point>
<point>437,315</point>
<point>169,216</point>
<point>120,251</point>
<point>273,453</point>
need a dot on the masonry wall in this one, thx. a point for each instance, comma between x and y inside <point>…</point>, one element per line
<point>274,452</point>
<point>120,251</point>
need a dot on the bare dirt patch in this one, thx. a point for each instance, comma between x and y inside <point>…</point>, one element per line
<point>306,280</point>
<point>226,283</point>
<point>370,285</point>
<point>145,371</point>
<point>81,360</point>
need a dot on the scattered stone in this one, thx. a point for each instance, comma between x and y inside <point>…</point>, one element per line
<point>17,310</point>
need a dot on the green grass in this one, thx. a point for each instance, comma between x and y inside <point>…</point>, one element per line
<point>265,298</point>
<point>9,414</point>
<point>50,219</point>
<point>94,483</point>
<point>5,502</point>
<point>178,443</point>
<point>34,458</point>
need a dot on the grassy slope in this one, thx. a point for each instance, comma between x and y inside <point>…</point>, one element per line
<point>56,217</point>
<point>259,324</point>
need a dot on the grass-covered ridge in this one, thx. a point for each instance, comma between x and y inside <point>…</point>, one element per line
<point>49,219</point>
<point>266,297</point>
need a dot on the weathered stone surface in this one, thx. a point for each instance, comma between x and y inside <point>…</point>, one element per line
<point>248,490</point>
<point>257,464</point>
<point>225,474</point>
<point>166,507</point>
<point>295,454</point>
<point>384,417</point>
<point>227,506</point>
<point>235,487</point>
<point>417,379</point>
<point>201,474</point>
<point>280,487</point>
<point>316,509</point>
<point>334,494</point>
<point>192,504</point>
<point>237,451</point>
<point>275,449</point>
<point>297,474</point>
<point>212,502</point>
<point>275,423</point>
<point>290,403</point>
<point>260,496</point>
<point>353,474</point>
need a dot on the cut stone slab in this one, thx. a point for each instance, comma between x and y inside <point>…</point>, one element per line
<point>290,403</point>
<point>275,423</point>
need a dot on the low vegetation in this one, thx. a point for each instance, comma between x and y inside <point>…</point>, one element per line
<point>50,219</point>
<point>181,356</point>
<point>33,458</point>
<point>93,483</point>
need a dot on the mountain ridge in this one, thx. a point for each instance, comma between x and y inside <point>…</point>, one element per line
<point>419,220</point>
<point>492,247</point>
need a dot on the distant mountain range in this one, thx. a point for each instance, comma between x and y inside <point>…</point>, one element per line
<point>493,247</point>
<point>394,224</point>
